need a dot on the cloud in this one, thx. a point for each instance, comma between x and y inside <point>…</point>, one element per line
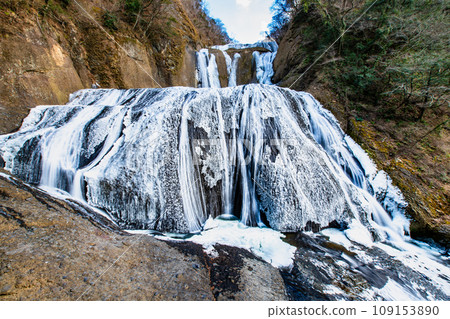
<point>244,24</point>
<point>244,3</point>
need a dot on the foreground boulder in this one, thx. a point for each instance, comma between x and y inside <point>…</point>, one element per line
<point>56,250</point>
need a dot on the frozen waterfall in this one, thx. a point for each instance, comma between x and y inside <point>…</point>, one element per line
<point>262,63</point>
<point>166,159</point>
<point>223,165</point>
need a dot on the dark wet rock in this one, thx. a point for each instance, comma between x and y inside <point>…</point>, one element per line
<point>327,271</point>
<point>236,274</point>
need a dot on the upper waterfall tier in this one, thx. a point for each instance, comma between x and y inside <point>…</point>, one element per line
<point>166,159</point>
<point>236,64</point>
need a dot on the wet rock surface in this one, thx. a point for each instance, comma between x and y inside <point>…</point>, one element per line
<point>327,271</point>
<point>236,274</point>
<point>54,250</point>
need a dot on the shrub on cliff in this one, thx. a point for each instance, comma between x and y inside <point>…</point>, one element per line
<point>395,55</point>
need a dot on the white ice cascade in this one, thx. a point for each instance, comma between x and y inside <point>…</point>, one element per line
<point>208,73</point>
<point>166,159</point>
<point>232,65</point>
<point>264,64</point>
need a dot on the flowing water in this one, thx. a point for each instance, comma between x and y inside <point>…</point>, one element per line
<point>235,165</point>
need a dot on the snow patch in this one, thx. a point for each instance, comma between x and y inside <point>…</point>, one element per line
<point>262,242</point>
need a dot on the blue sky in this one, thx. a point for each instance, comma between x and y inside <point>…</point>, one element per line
<point>244,19</point>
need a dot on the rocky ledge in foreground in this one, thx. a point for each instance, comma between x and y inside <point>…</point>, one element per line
<point>55,250</point>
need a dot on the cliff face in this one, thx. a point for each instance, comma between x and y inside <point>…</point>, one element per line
<point>50,49</point>
<point>379,85</point>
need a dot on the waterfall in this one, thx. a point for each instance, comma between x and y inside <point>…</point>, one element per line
<point>208,73</point>
<point>166,159</point>
<point>233,70</point>
<point>258,156</point>
<point>264,66</point>
<point>232,65</point>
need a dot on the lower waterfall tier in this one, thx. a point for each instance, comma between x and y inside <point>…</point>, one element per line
<point>167,159</point>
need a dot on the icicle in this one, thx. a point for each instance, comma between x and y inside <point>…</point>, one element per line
<point>189,184</point>
<point>207,71</point>
<point>232,81</point>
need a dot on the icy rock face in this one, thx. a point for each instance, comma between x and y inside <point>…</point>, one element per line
<point>166,159</point>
